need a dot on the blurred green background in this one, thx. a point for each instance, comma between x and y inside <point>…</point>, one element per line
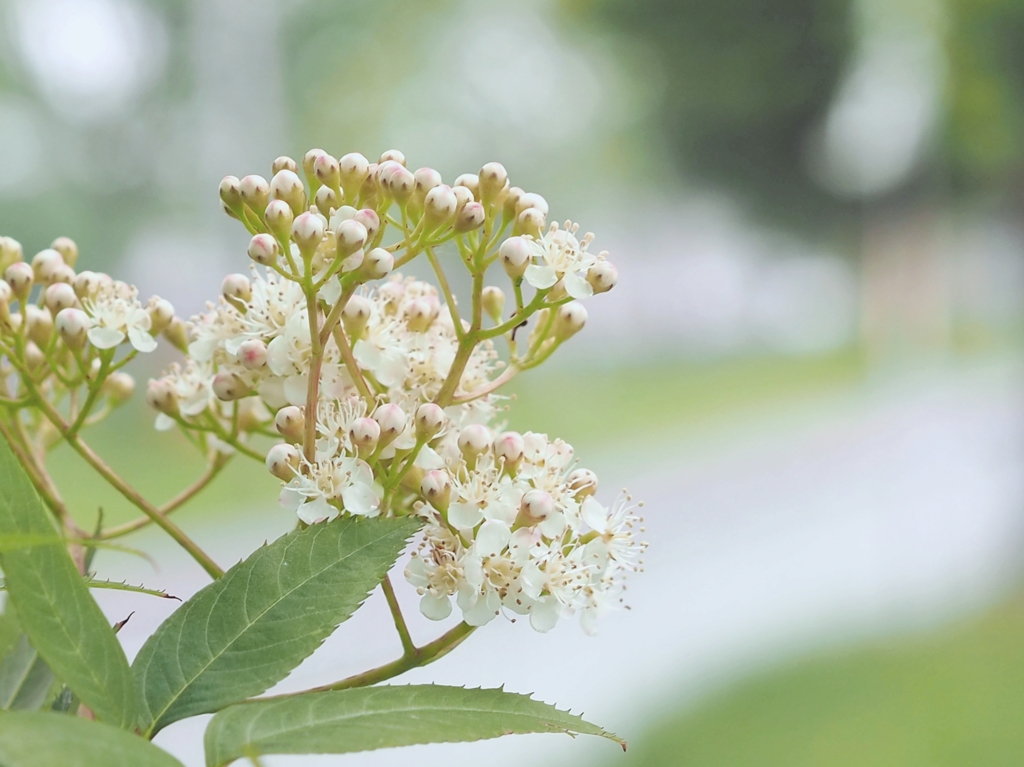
<point>815,206</point>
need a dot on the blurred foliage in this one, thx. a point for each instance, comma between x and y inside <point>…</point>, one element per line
<point>950,699</point>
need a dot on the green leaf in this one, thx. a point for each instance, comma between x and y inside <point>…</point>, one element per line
<point>25,679</point>
<point>35,739</point>
<point>369,718</point>
<point>92,583</point>
<point>246,631</point>
<point>53,604</point>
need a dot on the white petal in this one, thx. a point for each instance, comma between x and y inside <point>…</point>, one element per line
<point>553,526</point>
<point>594,514</point>
<point>540,276</point>
<point>484,611</point>
<point>465,515</point>
<point>576,286</point>
<point>588,621</point>
<point>141,340</point>
<point>296,389</point>
<point>164,422</point>
<point>278,359</point>
<point>272,392</point>
<point>428,459</point>
<point>290,498</point>
<point>544,615</point>
<point>437,608</point>
<point>360,499</point>
<point>492,537</point>
<point>316,510</point>
<point>105,338</point>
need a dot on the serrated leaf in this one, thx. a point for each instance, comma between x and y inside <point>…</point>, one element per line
<point>54,607</point>
<point>35,739</point>
<point>25,679</point>
<point>369,718</point>
<point>246,631</point>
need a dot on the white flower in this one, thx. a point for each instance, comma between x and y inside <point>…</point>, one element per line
<point>615,531</point>
<point>313,495</point>
<point>562,257</point>
<point>483,494</point>
<point>116,314</point>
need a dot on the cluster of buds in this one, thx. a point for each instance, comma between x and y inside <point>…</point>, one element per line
<point>64,337</point>
<point>382,391</point>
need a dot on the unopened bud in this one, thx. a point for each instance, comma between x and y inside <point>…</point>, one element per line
<point>582,482</point>
<point>492,179</point>
<point>326,200</point>
<point>511,201</point>
<point>391,419</point>
<point>531,221</point>
<point>40,324</point>
<point>368,218</point>
<point>354,169</point>
<point>436,488</point>
<point>531,200</point>
<point>471,182</point>
<point>327,170</point>
<point>430,419</point>
<point>177,334</point>
<point>493,301</point>
<point>462,197</point>
<point>67,248</point>
<point>440,204</point>
<point>228,387</point>
<point>308,232</point>
<point>34,357</point>
<point>537,506</point>
<point>569,320</point>
<point>350,236</point>
<point>401,184</point>
<point>119,387</point>
<point>355,315</point>
<point>421,314</point>
<point>283,461</point>
<point>252,353</point>
<point>45,263</point>
<point>255,192</point>
<point>62,274</point>
<point>59,296</point>
<point>376,264</point>
<point>263,249</point>
<point>86,284</point>
<point>20,277</point>
<point>509,448</point>
<point>392,155</point>
<point>231,191</point>
<point>10,251</point>
<point>515,254</point>
<point>286,185</point>
<point>279,217</point>
<point>602,276</point>
<point>364,434</point>
<point>290,424</point>
<point>161,395</point>
<point>309,165</point>
<point>72,326</point>
<point>283,163</point>
<point>237,289</point>
<point>426,179</point>
<point>470,217</point>
<point>474,440</point>
<point>161,314</point>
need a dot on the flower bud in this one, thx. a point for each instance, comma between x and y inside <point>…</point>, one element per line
<point>326,200</point>
<point>59,296</point>
<point>10,252</point>
<point>470,217</point>
<point>255,192</point>
<point>493,301</point>
<point>377,263</point>
<point>283,163</point>
<point>327,170</point>
<point>368,218</point>
<point>509,448</point>
<point>430,418</point>
<point>286,185</point>
<point>462,197</point>
<point>492,179</point>
<point>515,254</point>
<point>436,488</point>
<point>350,236</point>
<point>471,182</point>
<point>263,249</point>
<point>426,179</point>
<point>252,414</point>
<point>231,191</point>
<point>392,155</point>
<point>252,353</point>
<point>421,314</point>
<point>531,200</point>
<point>309,165</point>
<point>582,482</point>
<point>40,324</point>
<point>308,232</point>
<point>283,461</point>
<point>86,284</point>
<point>228,387</point>
<point>439,204</point>
<point>177,334</point>
<point>391,419</point>
<point>532,222</point>
<point>355,315</point>
<point>354,169</point>
<point>569,320</point>
<point>119,387</point>
<point>602,276</point>
<point>45,263</point>
<point>160,395</point>
<point>474,440</point>
<point>402,184</point>
<point>34,357</point>
<point>72,326</point>
<point>161,314</point>
<point>511,201</point>
<point>290,424</point>
<point>364,434</point>
<point>536,506</point>
<point>20,277</point>
<point>5,304</point>
<point>237,289</point>
<point>279,217</point>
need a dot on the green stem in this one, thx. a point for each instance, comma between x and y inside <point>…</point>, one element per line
<point>408,646</point>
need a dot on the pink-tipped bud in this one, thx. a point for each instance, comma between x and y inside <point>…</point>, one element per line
<point>255,192</point>
<point>426,179</point>
<point>252,353</point>
<point>436,488</point>
<point>45,263</point>
<point>430,418</point>
<point>60,296</point>
<point>470,217</point>
<point>72,326</point>
<point>119,387</point>
<point>161,315</point>
<point>283,461</point>
<point>237,289</point>
<point>286,186</point>
<point>86,284</point>
<point>34,357</point>
<point>62,274</point>
<point>440,204</point>
<point>531,200</point>
<point>463,196</point>
<point>569,320</point>
<point>327,170</point>
<point>368,218</point>
<point>355,315</point>
<point>21,278</point>
<point>40,324</point>
<point>511,201</point>
<point>354,169</point>
<point>492,179</point>
<point>177,334</point>
<point>231,191</point>
<point>284,163</point>
<point>401,184</point>
<point>537,506</point>
<point>290,424</point>
<point>350,236</point>
<point>602,276</point>
<point>279,218</point>
<point>161,395</point>
<point>515,254</point>
<point>471,182</point>
<point>308,231</point>
<point>532,222</point>
<point>582,482</point>
<point>421,314</point>
<point>377,264</point>
<point>67,248</point>
<point>364,434</point>
<point>474,440</point>
<point>326,200</point>
<point>493,301</point>
<point>309,163</point>
<point>263,249</point>
<point>228,387</point>
<point>509,448</point>
<point>392,155</point>
<point>391,419</point>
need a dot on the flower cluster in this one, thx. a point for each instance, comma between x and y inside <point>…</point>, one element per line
<point>382,391</point>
